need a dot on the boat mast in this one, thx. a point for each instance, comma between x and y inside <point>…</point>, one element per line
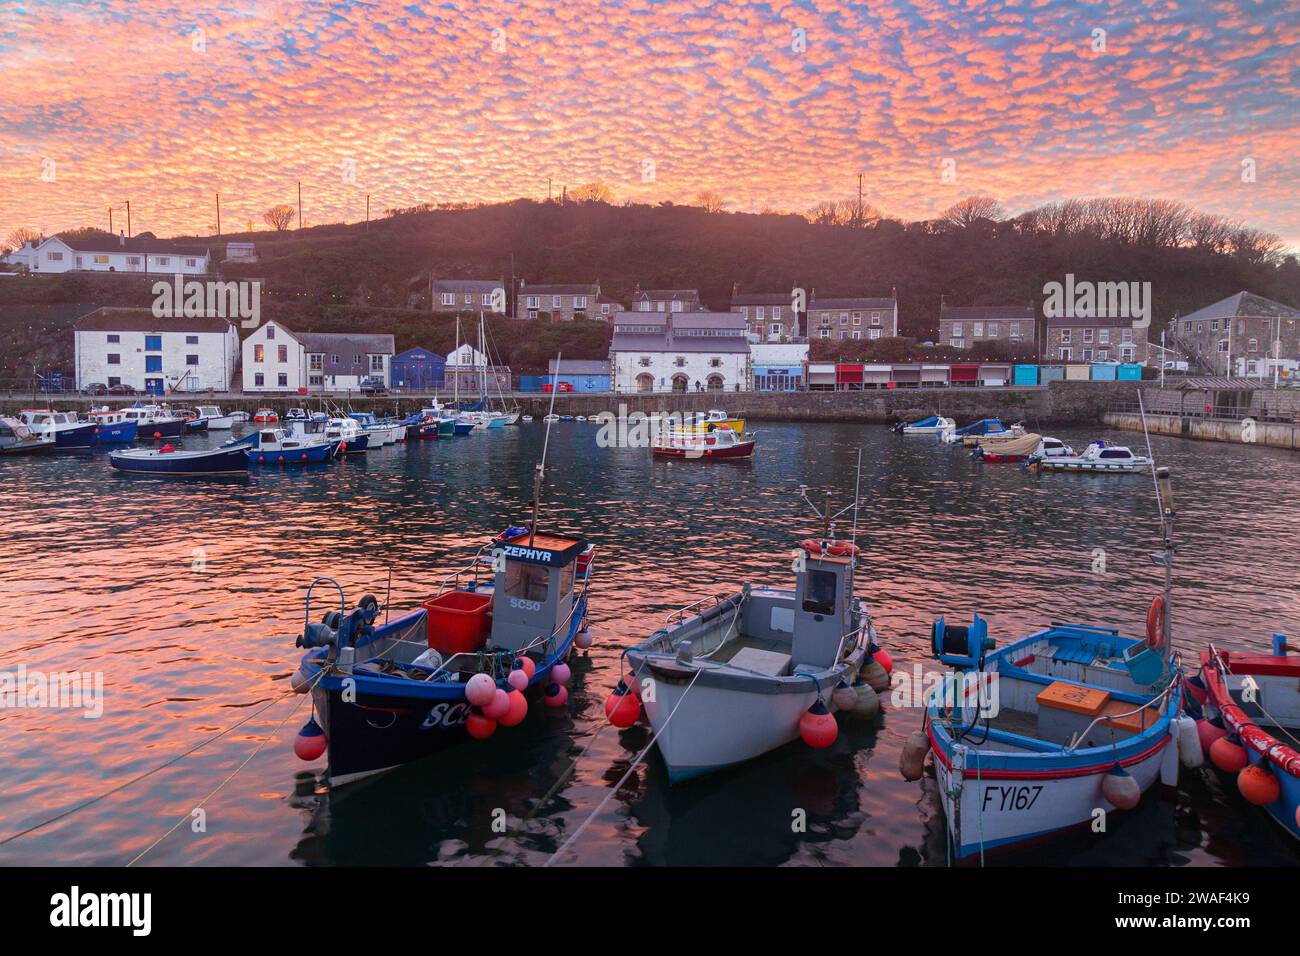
<point>455,395</point>
<point>540,471</point>
<point>1165,509</point>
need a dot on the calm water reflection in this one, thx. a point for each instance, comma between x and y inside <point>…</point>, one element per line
<point>186,596</point>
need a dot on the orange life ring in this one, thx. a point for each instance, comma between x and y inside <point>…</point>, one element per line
<point>811,545</point>
<point>1156,624</point>
<point>842,548</point>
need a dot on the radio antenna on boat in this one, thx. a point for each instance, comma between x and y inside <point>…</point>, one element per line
<point>826,516</point>
<point>540,471</point>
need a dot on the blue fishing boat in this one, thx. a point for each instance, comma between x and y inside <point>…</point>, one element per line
<point>1055,730</point>
<point>167,460</point>
<point>113,427</point>
<point>984,428</point>
<point>273,446</point>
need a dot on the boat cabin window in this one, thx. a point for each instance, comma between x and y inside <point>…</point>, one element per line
<point>566,579</point>
<point>526,581</point>
<point>268,436</point>
<point>819,592</point>
<point>1114,453</point>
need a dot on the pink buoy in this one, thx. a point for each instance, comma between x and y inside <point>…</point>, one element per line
<point>518,710</point>
<point>561,673</point>
<point>499,706</point>
<point>1208,734</point>
<point>883,659</point>
<point>527,663</point>
<point>479,725</point>
<point>518,679</point>
<point>557,695</point>
<point>480,689</point>
<point>310,742</point>
<point>1121,788</point>
<point>817,726</point>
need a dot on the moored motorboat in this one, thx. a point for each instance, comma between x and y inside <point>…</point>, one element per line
<point>1099,457</point>
<point>265,416</point>
<point>983,429</point>
<point>1055,730</point>
<point>216,421</point>
<point>154,421</point>
<point>719,442</point>
<point>170,461</point>
<point>1251,718</point>
<point>68,433</point>
<point>1008,450</point>
<point>273,446</point>
<point>934,425</point>
<point>17,439</point>
<point>348,435</point>
<point>112,427</point>
<point>740,674</point>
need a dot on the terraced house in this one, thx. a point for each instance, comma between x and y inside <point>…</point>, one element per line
<point>666,300</point>
<point>1245,332</point>
<point>1084,338</point>
<point>468,295</point>
<point>769,315</point>
<point>558,303</point>
<point>1013,326</point>
<point>865,318</point>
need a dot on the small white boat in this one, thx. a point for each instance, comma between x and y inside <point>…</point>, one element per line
<point>527,418</point>
<point>1097,457</point>
<point>17,439</point>
<point>63,427</point>
<point>582,418</point>
<point>934,425</point>
<point>551,418</point>
<point>238,417</point>
<point>217,421</point>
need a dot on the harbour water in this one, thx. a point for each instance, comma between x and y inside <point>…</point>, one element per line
<point>186,597</point>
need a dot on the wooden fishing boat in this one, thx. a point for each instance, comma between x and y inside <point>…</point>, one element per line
<point>1100,458</point>
<point>1251,720</point>
<point>739,674</point>
<point>717,443</point>
<point>934,425</point>
<point>167,460</point>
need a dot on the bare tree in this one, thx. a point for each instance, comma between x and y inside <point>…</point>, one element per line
<point>844,212</point>
<point>279,217</point>
<point>972,209</point>
<point>709,201</point>
<point>18,236</point>
<point>593,192</point>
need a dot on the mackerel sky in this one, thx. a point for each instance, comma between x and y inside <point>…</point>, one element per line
<point>774,105</point>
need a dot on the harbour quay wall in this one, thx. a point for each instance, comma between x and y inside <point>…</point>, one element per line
<point>1059,403</point>
<point>1242,431</point>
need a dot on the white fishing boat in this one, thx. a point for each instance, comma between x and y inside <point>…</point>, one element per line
<point>216,421</point>
<point>68,433</point>
<point>934,425</point>
<point>1099,457</point>
<point>275,446</point>
<point>17,439</point>
<point>154,421</point>
<point>351,437</point>
<point>738,675</point>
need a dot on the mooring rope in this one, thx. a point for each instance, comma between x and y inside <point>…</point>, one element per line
<point>623,779</point>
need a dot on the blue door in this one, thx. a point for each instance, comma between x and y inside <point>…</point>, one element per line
<point>153,386</point>
<point>153,363</point>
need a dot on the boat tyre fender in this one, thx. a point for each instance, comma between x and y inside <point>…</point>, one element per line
<point>1156,624</point>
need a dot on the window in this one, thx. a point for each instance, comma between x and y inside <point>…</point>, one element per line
<point>1087,336</point>
<point>1214,325</point>
<point>334,360</point>
<point>826,333</point>
<point>153,363</point>
<point>114,358</point>
<point>191,340</point>
<point>873,333</point>
<point>844,333</point>
<point>449,298</point>
<point>526,581</point>
<point>875,318</point>
<point>164,260</point>
<point>1087,355</point>
<point>1253,345</point>
<point>644,361</point>
<point>1104,355</point>
<point>113,339</point>
<point>956,329</point>
<point>487,298</point>
<point>191,262</point>
<point>557,301</point>
<point>1103,336</point>
<point>1223,345</point>
<point>993,330</point>
<point>282,354</point>
<point>957,343</point>
<point>356,360</point>
<point>534,302</point>
<point>776,312</point>
<point>259,353</point>
<point>469,298</point>
<point>282,380</point>
<point>259,379</point>
<point>844,318</point>
<point>857,318</point>
<point>978,330</point>
<point>376,363</point>
<point>1065,336</point>
<point>680,361</point>
<point>857,334</point>
<point>715,363</point>
<point>1126,354</point>
<point>316,362</point>
<point>99,260</point>
<point>1127,336</point>
<point>1064,354</point>
<point>58,257</point>
<point>270,332</point>
<point>133,260</point>
<point>191,360</point>
<point>579,301</point>
<point>153,343</point>
<point>1013,330</point>
<point>113,380</point>
<point>819,592</point>
<point>679,307</point>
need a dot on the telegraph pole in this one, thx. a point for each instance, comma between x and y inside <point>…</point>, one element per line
<point>218,214</point>
<point>300,204</point>
<point>128,219</point>
<point>367,212</point>
<point>859,215</point>
<point>110,220</point>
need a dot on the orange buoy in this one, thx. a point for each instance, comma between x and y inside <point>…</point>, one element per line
<point>517,712</point>
<point>911,762</point>
<point>1228,754</point>
<point>1208,733</point>
<point>817,726</point>
<point>622,707</point>
<point>881,657</point>
<point>1258,785</point>
<point>479,726</point>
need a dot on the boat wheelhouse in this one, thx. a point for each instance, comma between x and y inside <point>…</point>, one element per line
<point>68,433</point>
<point>154,421</point>
<point>112,427</point>
<point>17,439</point>
<point>216,421</point>
<point>274,446</point>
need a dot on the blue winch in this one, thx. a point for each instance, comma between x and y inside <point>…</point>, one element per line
<point>959,646</point>
<point>341,628</point>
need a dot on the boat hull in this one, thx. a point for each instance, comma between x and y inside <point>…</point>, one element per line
<point>739,450</point>
<point>115,434</point>
<point>160,429</point>
<point>312,455</point>
<point>32,447</point>
<point>222,461</point>
<point>80,436</point>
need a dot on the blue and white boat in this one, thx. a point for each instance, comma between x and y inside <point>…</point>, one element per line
<point>154,421</point>
<point>167,460</point>
<point>112,427</point>
<point>348,435</point>
<point>273,446</point>
<point>1055,730</point>
<point>984,428</point>
<point>68,433</point>
<point>934,425</point>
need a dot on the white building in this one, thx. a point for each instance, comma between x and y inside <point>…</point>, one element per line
<point>277,359</point>
<point>134,347</point>
<point>143,254</point>
<point>679,352</point>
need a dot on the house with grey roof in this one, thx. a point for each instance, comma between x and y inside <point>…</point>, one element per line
<point>852,318</point>
<point>769,315</point>
<point>558,302</point>
<point>1245,332</point>
<point>679,351</point>
<point>1013,326</point>
<point>121,346</point>
<point>467,295</point>
<point>666,300</point>
<point>1094,338</point>
<point>144,254</point>
<point>277,359</point>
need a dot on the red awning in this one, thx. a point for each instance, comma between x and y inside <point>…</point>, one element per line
<point>965,373</point>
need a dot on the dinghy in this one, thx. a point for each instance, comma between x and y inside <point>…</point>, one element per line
<point>1056,729</point>
<point>1099,457</point>
<point>934,425</point>
<point>736,675</point>
<point>167,460</point>
<point>1251,706</point>
<point>983,429</point>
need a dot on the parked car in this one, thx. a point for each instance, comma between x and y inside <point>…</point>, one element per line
<point>373,386</point>
<point>122,390</point>
<point>94,388</point>
<point>562,387</point>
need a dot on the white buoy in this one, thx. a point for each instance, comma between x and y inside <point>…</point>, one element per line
<point>911,763</point>
<point>1189,743</point>
<point>1121,788</point>
<point>868,702</point>
<point>874,674</point>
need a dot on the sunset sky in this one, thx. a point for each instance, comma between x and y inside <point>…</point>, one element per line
<point>658,99</point>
